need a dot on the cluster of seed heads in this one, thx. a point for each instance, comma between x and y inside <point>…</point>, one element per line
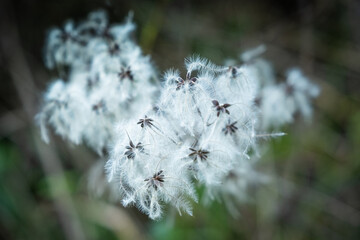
<point>203,130</point>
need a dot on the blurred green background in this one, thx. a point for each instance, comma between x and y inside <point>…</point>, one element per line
<point>315,191</point>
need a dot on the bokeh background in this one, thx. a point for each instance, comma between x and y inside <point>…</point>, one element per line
<point>315,191</point>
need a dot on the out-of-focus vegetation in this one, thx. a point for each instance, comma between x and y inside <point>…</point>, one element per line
<point>315,170</point>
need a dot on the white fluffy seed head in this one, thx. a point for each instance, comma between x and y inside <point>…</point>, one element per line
<point>108,79</point>
<point>205,127</point>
